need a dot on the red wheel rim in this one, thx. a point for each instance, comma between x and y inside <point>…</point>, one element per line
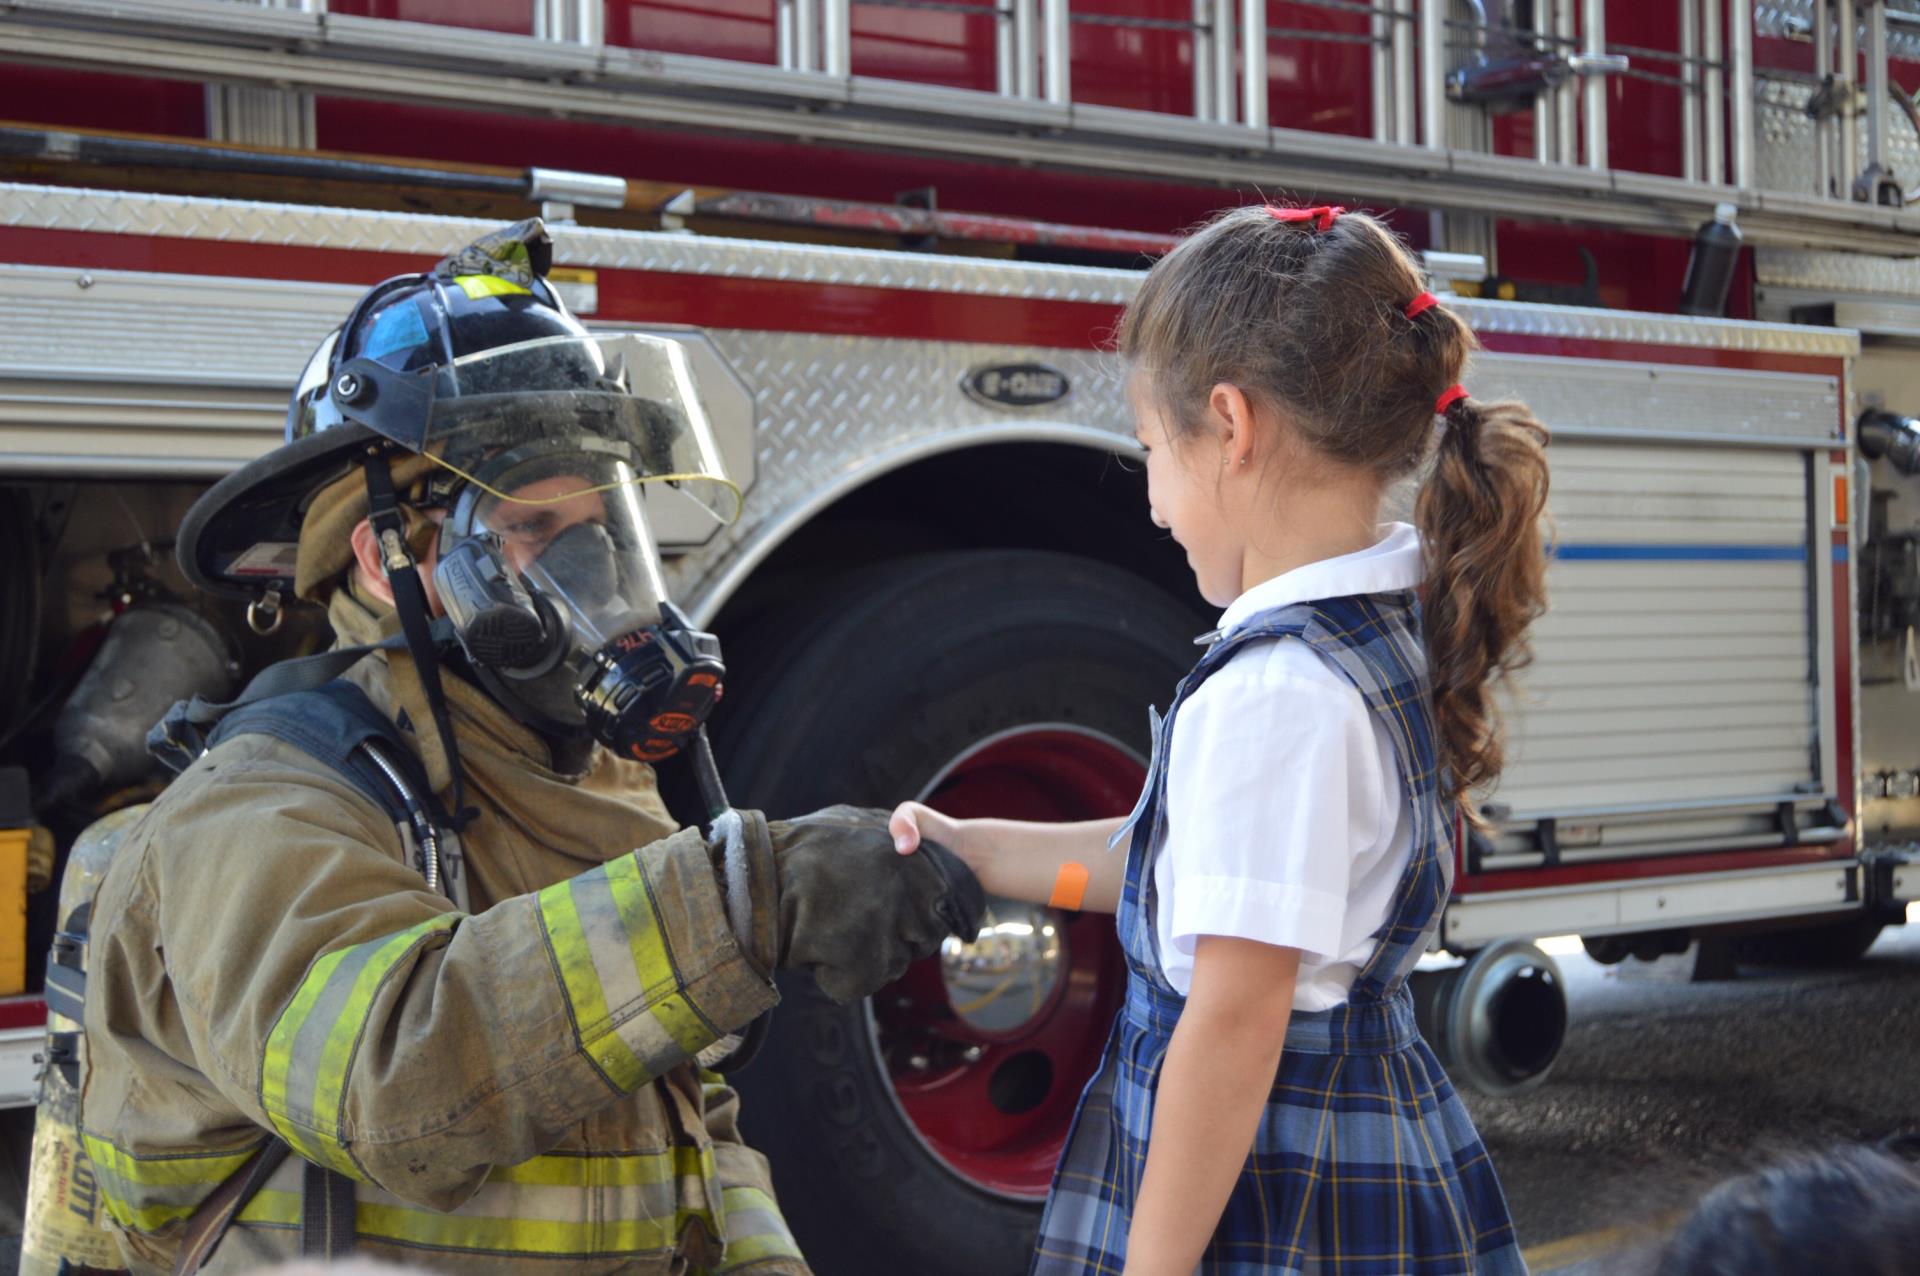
<point>995,1106</point>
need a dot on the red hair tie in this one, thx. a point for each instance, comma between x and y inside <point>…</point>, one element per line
<point>1321,216</point>
<point>1448,397</point>
<point>1421,304</point>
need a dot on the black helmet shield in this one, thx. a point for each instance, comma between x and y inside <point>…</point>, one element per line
<point>475,356</point>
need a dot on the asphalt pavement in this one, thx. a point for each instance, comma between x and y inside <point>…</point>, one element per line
<point>1666,1087</point>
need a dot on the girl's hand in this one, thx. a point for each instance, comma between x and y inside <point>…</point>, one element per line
<point>1017,859</point>
<point>913,821</point>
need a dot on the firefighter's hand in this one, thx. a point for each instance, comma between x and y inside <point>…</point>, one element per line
<point>854,911</point>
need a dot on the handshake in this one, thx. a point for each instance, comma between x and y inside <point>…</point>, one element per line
<point>831,893</point>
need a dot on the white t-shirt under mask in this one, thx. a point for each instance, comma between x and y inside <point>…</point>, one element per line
<point>1287,822</point>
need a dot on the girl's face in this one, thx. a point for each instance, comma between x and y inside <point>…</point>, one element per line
<point>1185,495</point>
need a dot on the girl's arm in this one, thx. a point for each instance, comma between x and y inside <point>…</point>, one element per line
<point>1020,860</point>
<point>1213,1086</point>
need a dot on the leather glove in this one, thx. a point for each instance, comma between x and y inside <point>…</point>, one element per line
<point>851,910</point>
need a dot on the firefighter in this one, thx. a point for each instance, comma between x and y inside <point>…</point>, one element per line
<point>419,947</point>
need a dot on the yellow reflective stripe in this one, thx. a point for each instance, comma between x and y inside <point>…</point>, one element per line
<point>331,1080</point>
<point>279,1053</point>
<point>407,1225</point>
<point>147,1193</point>
<point>478,286</point>
<point>272,1207</point>
<point>527,1236</point>
<point>674,1014</point>
<point>651,1025</point>
<point>568,940</point>
<point>608,1171</point>
<point>167,1171</point>
<point>301,1095</point>
<point>751,1247</point>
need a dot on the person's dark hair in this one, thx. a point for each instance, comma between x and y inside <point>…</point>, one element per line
<point>1310,318</point>
<point>1854,1209</point>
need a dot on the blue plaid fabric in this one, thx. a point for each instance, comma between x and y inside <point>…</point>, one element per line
<point>1365,1162</point>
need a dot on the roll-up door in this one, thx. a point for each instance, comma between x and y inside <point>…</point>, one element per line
<point>1675,666</point>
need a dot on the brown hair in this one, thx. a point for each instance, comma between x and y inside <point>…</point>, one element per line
<point>1309,317</point>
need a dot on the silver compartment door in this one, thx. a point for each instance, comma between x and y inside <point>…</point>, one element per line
<point>1676,664</point>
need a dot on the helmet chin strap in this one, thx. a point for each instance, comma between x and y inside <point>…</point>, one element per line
<point>410,600</point>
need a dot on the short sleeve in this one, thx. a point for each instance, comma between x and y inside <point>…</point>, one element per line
<point>1273,789</point>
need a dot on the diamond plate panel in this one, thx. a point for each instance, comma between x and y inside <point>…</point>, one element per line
<point>1838,272</point>
<point>1790,19</point>
<point>1528,319</point>
<point>1784,153</point>
<point>132,213</point>
<point>834,412</point>
<point>119,212</point>
<point>1629,401</point>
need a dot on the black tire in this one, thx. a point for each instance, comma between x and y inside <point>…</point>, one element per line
<point>904,670</point>
<point>1832,944</point>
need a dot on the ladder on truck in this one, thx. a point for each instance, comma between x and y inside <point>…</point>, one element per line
<point>1813,159</point>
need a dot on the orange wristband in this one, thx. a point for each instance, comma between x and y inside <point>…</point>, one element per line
<point>1069,887</point>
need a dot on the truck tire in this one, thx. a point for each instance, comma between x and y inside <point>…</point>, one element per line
<point>1831,944</point>
<point>869,700</point>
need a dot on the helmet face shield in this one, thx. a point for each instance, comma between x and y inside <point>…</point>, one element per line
<point>628,397</point>
<point>564,529</point>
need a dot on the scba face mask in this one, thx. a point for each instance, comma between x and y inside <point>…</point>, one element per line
<point>548,571</point>
<point>551,579</point>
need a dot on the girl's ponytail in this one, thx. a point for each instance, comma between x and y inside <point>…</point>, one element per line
<point>1479,515</point>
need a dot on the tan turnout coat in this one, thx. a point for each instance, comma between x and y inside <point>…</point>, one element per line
<point>511,1088</point>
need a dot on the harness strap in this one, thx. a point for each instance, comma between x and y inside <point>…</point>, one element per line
<point>410,600</point>
<point>209,1223</point>
<point>181,736</point>
<point>326,1214</point>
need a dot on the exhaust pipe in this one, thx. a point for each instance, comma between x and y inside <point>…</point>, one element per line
<point>1498,1021</point>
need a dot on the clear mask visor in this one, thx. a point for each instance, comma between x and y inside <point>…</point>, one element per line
<point>572,530</point>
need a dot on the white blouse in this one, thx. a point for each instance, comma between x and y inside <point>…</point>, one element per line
<point>1286,819</point>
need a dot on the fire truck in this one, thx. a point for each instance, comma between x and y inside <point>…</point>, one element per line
<point>893,237</point>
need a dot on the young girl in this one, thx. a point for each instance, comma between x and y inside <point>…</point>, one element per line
<point>1266,1104</point>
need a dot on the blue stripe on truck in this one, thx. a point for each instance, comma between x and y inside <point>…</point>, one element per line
<point>1681,553</point>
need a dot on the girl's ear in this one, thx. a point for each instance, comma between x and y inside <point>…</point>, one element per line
<point>1232,420</point>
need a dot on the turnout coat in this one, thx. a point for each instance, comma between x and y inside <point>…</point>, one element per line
<point>512,1088</point>
<point>1365,1162</point>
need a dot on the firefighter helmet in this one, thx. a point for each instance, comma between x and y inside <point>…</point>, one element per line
<point>240,537</point>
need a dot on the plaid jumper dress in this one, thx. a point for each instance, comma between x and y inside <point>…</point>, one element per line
<point>1365,1162</point>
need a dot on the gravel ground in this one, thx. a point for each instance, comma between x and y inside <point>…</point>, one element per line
<point>1666,1087</point>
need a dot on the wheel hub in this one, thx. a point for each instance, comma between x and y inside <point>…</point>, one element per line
<point>1003,981</point>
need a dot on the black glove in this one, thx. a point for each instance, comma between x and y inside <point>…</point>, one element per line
<point>854,911</point>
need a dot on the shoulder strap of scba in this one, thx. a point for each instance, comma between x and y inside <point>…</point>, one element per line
<point>305,704</point>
